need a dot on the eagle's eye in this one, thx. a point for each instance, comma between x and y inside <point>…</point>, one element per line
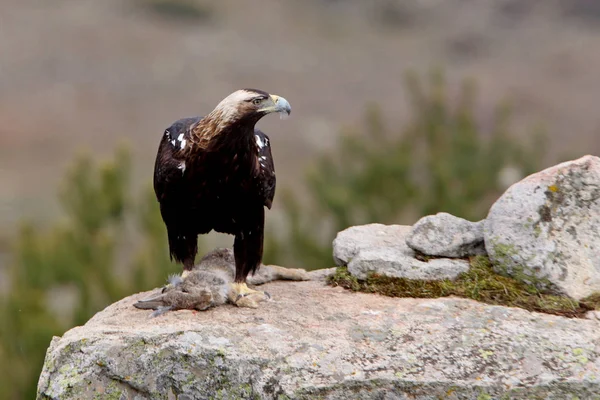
<point>256,101</point>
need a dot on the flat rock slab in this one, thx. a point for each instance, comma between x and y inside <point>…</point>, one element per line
<point>319,342</point>
<point>382,249</point>
<point>545,229</point>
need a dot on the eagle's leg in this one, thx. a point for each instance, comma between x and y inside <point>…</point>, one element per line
<point>190,254</point>
<point>247,250</point>
<point>188,264</point>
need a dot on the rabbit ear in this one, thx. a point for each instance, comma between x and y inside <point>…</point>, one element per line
<point>152,303</point>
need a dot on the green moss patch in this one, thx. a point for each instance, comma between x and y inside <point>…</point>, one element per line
<point>593,301</point>
<point>480,283</point>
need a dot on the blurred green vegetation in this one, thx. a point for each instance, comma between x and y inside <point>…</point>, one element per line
<point>110,245</point>
<point>441,159</point>
<point>84,257</point>
<point>180,11</point>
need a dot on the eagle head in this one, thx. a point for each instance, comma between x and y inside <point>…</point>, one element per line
<point>250,105</point>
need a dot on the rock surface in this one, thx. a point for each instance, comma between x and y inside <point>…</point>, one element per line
<point>444,235</point>
<point>319,342</point>
<point>382,249</point>
<point>545,229</point>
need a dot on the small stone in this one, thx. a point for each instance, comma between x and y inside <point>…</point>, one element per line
<point>444,235</point>
<point>593,315</point>
<point>349,242</point>
<point>400,262</point>
<point>382,249</point>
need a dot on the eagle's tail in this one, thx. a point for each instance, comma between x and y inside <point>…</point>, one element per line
<point>183,248</point>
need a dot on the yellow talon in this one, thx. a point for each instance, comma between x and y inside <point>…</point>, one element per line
<point>242,296</point>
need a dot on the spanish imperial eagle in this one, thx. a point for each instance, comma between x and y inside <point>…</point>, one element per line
<point>217,173</point>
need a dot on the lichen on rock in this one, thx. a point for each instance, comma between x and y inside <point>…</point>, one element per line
<point>316,341</point>
<point>544,229</point>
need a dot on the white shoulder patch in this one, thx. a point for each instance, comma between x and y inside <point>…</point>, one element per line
<point>259,142</point>
<point>181,140</point>
<point>182,167</point>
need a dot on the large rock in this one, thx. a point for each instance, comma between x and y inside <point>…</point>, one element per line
<point>444,235</point>
<point>319,342</point>
<point>382,249</point>
<point>546,229</point>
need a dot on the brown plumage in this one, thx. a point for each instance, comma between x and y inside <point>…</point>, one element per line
<point>217,173</point>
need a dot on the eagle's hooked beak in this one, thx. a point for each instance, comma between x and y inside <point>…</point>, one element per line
<point>277,104</point>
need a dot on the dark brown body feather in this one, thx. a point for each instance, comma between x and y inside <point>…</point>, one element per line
<point>218,182</point>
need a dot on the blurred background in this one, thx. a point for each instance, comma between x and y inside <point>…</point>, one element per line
<point>400,109</point>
